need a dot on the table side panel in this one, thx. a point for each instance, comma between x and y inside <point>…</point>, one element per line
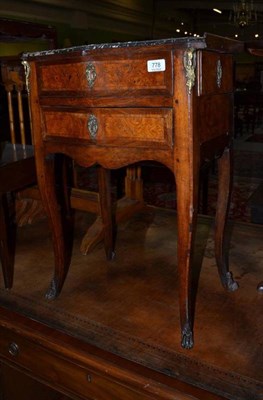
<point>215,73</point>
<point>214,116</point>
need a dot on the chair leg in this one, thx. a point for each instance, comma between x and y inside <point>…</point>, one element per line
<point>6,253</point>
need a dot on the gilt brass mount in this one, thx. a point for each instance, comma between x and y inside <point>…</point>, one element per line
<point>190,65</point>
<point>27,74</point>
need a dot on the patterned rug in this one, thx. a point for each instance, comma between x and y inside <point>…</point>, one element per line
<point>249,163</point>
<point>159,187</point>
<point>163,195</point>
<point>258,138</point>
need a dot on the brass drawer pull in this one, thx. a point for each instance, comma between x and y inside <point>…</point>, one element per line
<point>13,349</point>
<point>93,126</point>
<point>91,74</point>
<point>219,73</point>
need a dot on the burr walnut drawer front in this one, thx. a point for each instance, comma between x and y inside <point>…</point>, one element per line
<point>215,73</point>
<point>148,75</point>
<point>112,126</point>
<point>61,373</point>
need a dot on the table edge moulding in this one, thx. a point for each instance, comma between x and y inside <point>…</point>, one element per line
<point>101,104</point>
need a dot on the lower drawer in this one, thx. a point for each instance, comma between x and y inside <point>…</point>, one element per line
<point>60,373</point>
<point>129,127</point>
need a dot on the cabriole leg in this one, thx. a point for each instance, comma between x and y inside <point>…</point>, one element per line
<point>187,202</point>
<point>223,202</point>
<point>47,188</point>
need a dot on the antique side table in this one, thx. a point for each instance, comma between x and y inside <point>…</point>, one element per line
<point>168,100</point>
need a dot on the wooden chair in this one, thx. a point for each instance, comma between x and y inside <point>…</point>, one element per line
<point>17,166</point>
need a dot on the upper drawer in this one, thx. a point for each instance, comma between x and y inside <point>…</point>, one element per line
<point>147,74</point>
<point>215,73</point>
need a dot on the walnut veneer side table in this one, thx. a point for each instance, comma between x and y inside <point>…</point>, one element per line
<point>167,100</point>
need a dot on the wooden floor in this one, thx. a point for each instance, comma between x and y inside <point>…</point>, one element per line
<point>129,306</point>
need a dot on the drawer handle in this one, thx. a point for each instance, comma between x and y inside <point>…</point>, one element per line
<point>91,74</point>
<point>219,73</point>
<point>13,349</point>
<point>93,126</point>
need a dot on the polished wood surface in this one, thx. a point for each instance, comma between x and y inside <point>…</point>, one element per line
<point>100,105</point>
<point>82,371</point>
<point>113,332</point>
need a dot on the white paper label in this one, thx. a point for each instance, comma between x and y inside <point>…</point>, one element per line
<point>156,65</point>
